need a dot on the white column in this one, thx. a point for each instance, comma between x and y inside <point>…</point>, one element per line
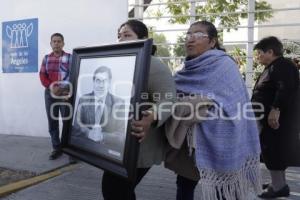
<point>250,45</point>
<point>192,11</point>
<point>138,9</point>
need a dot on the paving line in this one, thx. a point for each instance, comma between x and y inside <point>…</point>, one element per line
<point>13,187</point>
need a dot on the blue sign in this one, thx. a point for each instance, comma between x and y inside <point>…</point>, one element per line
<point>20,46</point>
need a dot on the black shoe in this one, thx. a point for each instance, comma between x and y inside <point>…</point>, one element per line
<point>270,193</point>
<point>55,154</point>
<point>265,185</point>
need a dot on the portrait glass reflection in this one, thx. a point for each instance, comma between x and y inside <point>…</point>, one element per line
<point>101,111</point>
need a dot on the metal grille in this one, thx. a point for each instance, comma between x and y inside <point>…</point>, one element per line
<point>284,24</point>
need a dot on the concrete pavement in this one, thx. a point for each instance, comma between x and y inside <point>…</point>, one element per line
<point>83,181</point>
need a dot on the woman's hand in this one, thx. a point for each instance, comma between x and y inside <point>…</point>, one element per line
<point>140,128</point>
<point>273,118</point>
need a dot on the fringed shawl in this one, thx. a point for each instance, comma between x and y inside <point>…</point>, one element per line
<point>228,149</point>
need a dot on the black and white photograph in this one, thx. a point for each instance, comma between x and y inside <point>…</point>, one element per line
<point>102,105</point>
<point>108,82</point>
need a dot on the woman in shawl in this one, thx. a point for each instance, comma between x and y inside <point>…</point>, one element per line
<point>227,143</point>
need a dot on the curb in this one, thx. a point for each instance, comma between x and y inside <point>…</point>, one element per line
<point>13,187</point>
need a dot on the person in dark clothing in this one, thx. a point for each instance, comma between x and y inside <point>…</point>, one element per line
<point>274,90</point>
<point>149,130</point>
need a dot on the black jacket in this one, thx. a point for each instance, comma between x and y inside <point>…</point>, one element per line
<point>277,87</point>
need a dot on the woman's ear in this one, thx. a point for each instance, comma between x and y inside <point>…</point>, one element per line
<point>213,43</point>
<point>270,51</point>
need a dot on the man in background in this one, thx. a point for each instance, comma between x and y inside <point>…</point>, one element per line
<point>54,76</point>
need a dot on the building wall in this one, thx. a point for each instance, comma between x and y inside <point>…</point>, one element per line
<point>82,22</point>
<point>283,17</point>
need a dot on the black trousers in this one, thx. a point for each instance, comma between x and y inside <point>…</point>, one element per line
<point>115,187</point>
<point>185,188</point>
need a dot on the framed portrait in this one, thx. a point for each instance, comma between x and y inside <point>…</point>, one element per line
<point>107,84</point>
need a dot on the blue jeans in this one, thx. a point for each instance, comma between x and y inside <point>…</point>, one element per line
<point>53,123</point>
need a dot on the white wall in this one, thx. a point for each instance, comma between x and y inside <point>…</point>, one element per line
<point>283,17</point>
<point>82,22</point>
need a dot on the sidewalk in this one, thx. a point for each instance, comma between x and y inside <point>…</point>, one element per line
<point>28,153</point>
<point>83,182</point>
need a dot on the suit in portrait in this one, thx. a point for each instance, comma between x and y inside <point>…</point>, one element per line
<point>99,123</point>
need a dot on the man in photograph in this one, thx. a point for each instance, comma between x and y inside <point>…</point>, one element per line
<point>100,115</point>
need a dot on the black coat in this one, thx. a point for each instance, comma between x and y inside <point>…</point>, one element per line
<point>277,87</point>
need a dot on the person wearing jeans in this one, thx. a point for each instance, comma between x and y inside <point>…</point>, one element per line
<point>54,76</point>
